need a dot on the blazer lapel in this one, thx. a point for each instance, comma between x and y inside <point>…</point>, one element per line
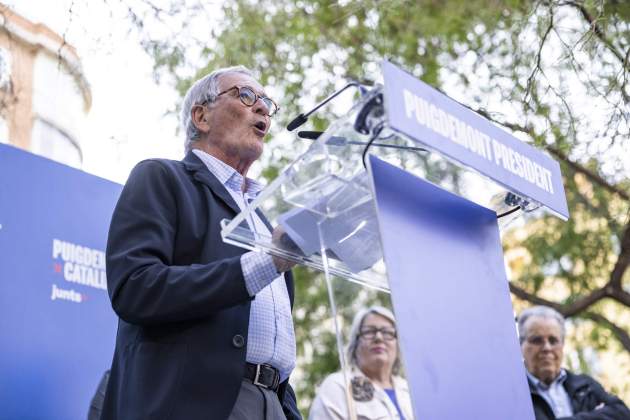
<point>201,174</point>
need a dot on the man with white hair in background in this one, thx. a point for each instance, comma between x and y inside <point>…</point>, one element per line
<point>556,392</point>
<point>205,328</point>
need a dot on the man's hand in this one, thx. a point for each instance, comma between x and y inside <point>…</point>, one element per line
<point>281,240</point>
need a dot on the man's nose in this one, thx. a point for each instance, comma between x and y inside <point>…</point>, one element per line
<point>260,107</point>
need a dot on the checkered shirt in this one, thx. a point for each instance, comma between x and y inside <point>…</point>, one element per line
<point>271,338</point>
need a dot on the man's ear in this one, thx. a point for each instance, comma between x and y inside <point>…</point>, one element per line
<point>199,119</point>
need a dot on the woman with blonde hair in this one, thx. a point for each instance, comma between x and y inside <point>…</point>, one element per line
<point>374,391</point>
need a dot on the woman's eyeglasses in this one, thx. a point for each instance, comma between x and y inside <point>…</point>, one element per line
<point>370,333</point>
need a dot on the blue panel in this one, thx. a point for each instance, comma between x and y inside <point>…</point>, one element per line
<point>451,299</point>
<point>432,118</point>
<point>57,328</point>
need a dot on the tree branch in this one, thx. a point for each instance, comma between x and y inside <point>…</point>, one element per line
<point>537,68</point>
<point>584,302</point>
<point>568,310</point>
<point>532,298</point>
<point>596,178</point>
<point>529,130</point>
<point>619,332</point>
<point>621,265</point>
<point>598,31</point>
<point>621,296</point>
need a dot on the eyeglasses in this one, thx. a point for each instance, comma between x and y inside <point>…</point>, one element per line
<point>249,97</point>
<point>369,333</point>
<point>538,340</point>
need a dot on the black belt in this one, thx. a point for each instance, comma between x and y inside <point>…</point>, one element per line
<point>265,376</point>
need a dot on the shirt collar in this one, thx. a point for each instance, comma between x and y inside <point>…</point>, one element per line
<point>562,376</point>
<point>228,176</point>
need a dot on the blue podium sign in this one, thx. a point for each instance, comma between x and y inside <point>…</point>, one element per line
<point>435,120</point>
<point>57,327</point>
<point>451,299</point>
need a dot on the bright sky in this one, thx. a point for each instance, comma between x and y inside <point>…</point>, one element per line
<point>127,122</point>
<point>130,119</point>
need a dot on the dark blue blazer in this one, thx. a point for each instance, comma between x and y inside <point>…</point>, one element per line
<point>180,294</point>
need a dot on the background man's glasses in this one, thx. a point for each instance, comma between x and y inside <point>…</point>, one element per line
<point>538,340</point>
<point>249,97</point>
<point>370,333</point>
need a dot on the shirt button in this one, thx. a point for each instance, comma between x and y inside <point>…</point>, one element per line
<point>238,341</point>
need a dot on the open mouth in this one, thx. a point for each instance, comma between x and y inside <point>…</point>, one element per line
<point>260,128</point>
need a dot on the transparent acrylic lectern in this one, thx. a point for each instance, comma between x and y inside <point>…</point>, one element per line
<point>323,208</point>
<point>324,203</point>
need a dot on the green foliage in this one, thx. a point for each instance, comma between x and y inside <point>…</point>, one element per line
<point>535,66</point>
<point>282,40</point>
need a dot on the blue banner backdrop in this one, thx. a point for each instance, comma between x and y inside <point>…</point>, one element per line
<point>451,299</point>
<point>435,120</point>
<point>57,328</point>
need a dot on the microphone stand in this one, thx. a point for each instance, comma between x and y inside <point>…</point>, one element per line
<point>342,141</point>
<point>302,118</point>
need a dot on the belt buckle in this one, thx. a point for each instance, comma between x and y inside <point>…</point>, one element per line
<point>258,376</point>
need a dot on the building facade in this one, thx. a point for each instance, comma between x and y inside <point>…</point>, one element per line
<point>44,95</point>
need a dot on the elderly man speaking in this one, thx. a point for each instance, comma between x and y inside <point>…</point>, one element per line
<point>205,329</point>
<point>556,392</point>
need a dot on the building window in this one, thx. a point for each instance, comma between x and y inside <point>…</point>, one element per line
<point>4,131</point>
<point>52,142</point>
<point>5,70</point>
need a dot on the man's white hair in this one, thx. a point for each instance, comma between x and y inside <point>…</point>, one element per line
<point>203,90</point>
<point>538,312</point>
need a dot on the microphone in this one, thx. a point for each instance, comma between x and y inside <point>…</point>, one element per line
<point>302,118</point>
<point>311,135</point>
<point>342,141</point>
<point>332,141</point>
<point>296,122</point>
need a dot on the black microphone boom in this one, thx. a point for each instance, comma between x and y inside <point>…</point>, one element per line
<point>342,141</point>
<point>302,118</point>
<point>311,135</point>
<point>297,121</point>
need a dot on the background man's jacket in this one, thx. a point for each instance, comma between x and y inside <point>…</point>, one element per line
<point>585,394</point>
